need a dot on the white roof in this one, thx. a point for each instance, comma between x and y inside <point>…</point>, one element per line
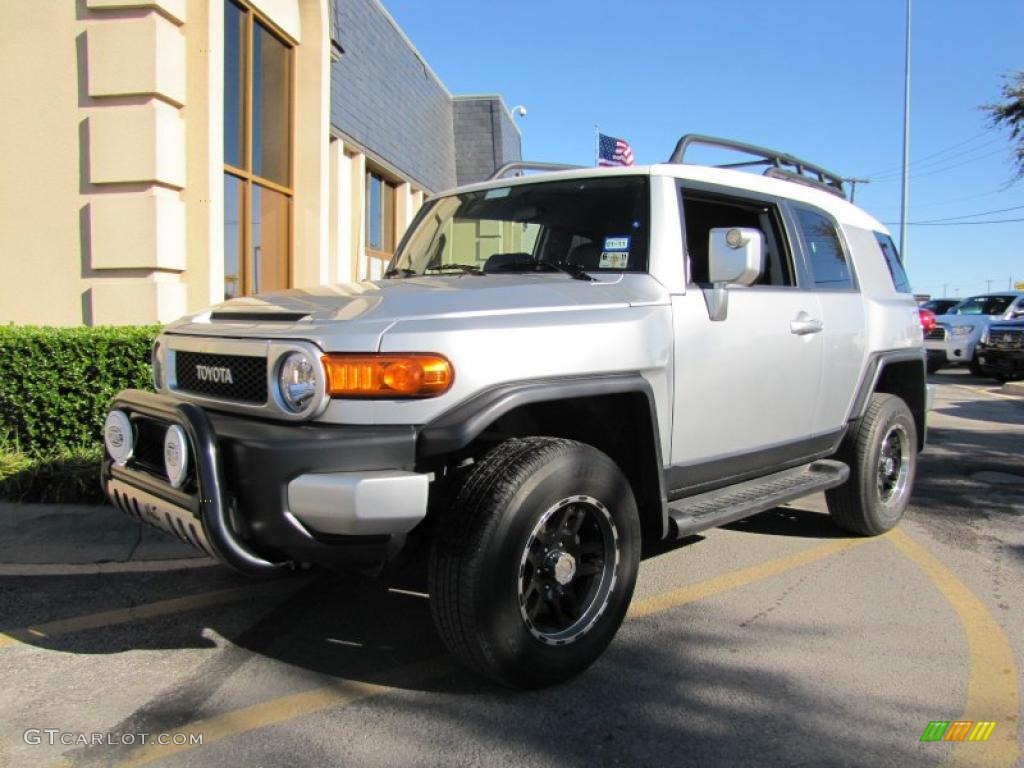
<point>843,210</point>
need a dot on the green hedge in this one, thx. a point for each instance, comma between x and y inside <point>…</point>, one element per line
<point>71,477</point>
<point>56,383</point>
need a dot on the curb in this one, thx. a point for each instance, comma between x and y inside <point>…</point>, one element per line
<point>56,539</point>
<point>1013,388</point>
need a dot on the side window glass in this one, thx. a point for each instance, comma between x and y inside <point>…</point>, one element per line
<point>829,267</point>
<point>899,275</point>
<point>703,212</point>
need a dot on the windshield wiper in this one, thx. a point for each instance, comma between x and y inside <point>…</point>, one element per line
<point>403,271</point>
<point>575,271</point>
<point>468,269</point>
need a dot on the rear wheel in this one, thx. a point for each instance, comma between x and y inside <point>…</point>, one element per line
<point>533,569</point>
<point>934,365</point>
<point>882,455</point>
<point>975,369</point>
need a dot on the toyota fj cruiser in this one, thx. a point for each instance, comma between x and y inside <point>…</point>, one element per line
<point>554,368</point>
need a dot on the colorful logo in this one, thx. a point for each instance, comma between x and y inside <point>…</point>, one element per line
<point>958,730</point>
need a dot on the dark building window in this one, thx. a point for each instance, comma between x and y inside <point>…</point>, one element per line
<point>258,110</point>
<point>380,215</point>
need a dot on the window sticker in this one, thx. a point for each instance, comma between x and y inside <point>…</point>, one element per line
<point>614,259</point>
<point>616,243</point>
<point>491,194</point>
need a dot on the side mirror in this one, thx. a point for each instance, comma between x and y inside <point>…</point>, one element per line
<point>735,255</point>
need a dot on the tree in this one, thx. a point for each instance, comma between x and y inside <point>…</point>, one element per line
<point>1010,114</point>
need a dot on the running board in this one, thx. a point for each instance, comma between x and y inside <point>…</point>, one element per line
<point>726,505</point>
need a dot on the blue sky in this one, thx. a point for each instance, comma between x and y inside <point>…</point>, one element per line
<point>822,80</point>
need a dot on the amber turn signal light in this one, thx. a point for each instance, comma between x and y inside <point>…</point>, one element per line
<point>387,376</point>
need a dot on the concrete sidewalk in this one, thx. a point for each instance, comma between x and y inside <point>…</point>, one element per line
<point>81,534</point>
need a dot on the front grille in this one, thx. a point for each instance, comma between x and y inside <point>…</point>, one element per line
<point>1009,338</point>
<point>246,383</point>
<point>938,333</point>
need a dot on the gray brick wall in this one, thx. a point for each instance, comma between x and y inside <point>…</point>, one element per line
<point>384,97</point>
<point>485,138</point>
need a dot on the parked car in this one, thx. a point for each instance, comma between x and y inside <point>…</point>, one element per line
<point>958,332</point>
<point>1000,351</point>
<point>554,369</point>
<point>940,306</point>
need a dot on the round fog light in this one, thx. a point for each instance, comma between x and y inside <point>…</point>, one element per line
<point>117,436</point>
<point>176,455</point>
<point>297,381</point>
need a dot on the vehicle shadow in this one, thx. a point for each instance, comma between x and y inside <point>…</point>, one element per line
<point>656,698</point>
<point>791,521</point>
<point>999,411</point>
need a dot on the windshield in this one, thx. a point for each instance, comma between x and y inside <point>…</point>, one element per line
<point>940,306</point>
<point>984,305</point>
<point>579,227</point>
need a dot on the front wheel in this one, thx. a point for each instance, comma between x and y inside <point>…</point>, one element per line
<point>882,455</point>
<point>533,568</point>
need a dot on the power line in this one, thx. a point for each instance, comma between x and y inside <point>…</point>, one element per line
<point>886,171</point>
<point>968,215</point>
<point>943,169</point>
<point>950,223</point>
<point>922,165</point>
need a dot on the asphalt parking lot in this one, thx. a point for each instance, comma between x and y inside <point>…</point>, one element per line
<point>775,641</point>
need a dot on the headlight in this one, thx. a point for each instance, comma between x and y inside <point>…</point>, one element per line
<point>297,381</point>
<point>176,455</point>
<point>961,331</point>
<point>118,437</point>
<point>157,366</point>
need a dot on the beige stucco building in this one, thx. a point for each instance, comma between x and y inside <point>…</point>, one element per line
<point>163,154</point>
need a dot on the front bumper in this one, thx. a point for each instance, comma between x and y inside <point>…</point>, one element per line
<point>1006,361</point>
<point>951,350</point>
<point>263,495</point>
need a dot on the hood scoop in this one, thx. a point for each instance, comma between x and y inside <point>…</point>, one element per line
<point>257,316</point>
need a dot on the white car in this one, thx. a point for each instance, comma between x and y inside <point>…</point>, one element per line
<point>957,333</point>
<point>553,370</point>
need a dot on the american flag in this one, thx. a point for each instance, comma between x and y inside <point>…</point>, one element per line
<point>613,151</point>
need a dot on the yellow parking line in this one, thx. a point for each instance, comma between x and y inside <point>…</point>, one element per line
<point>344,692</point>
<point>53,629</point>
<point>991,392</point>
<point>740,578</point>
<point>992,693</point>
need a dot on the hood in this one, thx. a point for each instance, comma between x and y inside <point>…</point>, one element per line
<point>362,312</point>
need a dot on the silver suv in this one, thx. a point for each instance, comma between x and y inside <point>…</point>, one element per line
<point>554,369</point>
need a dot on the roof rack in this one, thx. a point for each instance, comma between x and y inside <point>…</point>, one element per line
<point>780,164</point>
<point>523,165</point>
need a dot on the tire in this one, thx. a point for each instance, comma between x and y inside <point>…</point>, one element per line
<point>975,369</point>
<point>935,365</point>
<point>533,568</point>
<point>882,455</point>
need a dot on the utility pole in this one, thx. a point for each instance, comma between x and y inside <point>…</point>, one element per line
<point>988,286</point>
<point>945,289</point>
<point>906,142</point>
<point>854,181</point>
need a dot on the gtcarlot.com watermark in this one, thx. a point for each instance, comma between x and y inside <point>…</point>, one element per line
<point>55,737</point>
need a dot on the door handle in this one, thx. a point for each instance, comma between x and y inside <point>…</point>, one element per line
<point>805,325</point>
